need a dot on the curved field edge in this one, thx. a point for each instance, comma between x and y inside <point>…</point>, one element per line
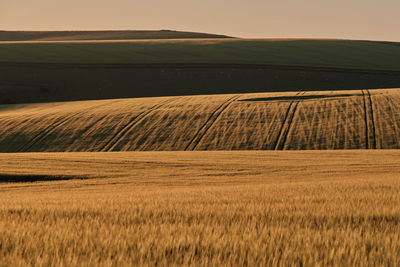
<point>358,119</point>
<point>198,208</point>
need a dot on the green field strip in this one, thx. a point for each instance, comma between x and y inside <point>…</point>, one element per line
<point>343,54</point>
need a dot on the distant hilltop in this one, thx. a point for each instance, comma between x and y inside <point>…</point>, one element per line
<point>101,35</point>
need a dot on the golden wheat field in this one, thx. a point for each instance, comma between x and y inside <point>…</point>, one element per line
<point>235,208</point>
<point>165,186</point>
<point>358,119</point>
<point>277,144</point>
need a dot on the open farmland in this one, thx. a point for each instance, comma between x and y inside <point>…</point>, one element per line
<point>90,70</point>
<point>201,208</point>
<point>340,54</point>
<point>358,119</point>
<point>200,152</point>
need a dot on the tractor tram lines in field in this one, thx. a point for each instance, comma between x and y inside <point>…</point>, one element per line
<point>370,129</point>
<point>287,123</point>
<point>360,119</point>
<point>198,137</point>
<point>372,118</point>
<point>388,121</point>
<point>42,135</point>
<point>122,134</point>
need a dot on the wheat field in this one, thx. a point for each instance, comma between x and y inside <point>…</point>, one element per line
<point>208,152</point>
<point>243,208</point>
<point>358,119</point>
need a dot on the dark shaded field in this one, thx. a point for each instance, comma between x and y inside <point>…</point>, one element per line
<point>341,54</point>
<point>29,83</point>
<point>65,71</point>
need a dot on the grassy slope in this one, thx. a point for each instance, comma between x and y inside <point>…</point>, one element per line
<point>190,67</point>
<point>311,53</point>
<point>202,208</point>
<point>99,35</point>
<point>104,70</point>
<point>263,121</point>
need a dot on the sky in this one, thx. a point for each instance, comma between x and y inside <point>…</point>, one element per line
<point>349,19</point>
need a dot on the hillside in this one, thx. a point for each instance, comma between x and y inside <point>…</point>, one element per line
<point>338,54</point>
<point>220,182</point>
<point>362,119</point>
<point>66,71</point>
<point>100,35</point>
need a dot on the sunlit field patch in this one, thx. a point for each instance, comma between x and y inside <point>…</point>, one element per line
<point>203,208</point>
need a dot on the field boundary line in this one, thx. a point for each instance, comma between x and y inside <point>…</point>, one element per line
<point>372,119</point>
<point>286,124</point>
<point>49,129</point>
<point>199,135</point>
<point>116,139</point>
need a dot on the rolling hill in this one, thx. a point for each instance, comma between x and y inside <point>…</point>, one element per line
<point>17,36</point>
<point>362,119</point>
<point>337,54</point>
<point>66,71</point>
<point>181,202</point>
<point>220,73</point>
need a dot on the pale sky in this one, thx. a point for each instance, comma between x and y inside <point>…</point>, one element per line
<point>351,19</point>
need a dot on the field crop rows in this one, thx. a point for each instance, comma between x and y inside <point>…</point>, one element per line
<point>360,119</point>
<point>198,208</point>
<point>387,119</point>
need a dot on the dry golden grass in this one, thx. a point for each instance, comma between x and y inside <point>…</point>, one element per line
<point>360,119</point>
<point>310,208</point>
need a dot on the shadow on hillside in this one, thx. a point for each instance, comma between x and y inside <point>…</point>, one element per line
<point>26,178</point>
<point>299,97</point>
<point>38,83</point>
